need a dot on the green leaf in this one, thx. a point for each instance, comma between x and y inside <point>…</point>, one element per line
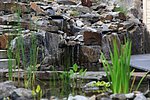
<point>75,67</point>
<point>41,94</point>
<point>33,93</point>
<point>71,72</point>
<point>81,71</point>
<point>38,89</point>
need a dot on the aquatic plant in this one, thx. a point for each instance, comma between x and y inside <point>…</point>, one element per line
<point>37,93</point>
<point>71,77</point>
<point>118,72</point>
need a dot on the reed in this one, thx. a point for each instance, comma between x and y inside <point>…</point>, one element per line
<point>118,73</point>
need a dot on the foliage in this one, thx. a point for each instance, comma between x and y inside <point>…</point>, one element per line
<point>71,77</point>
<point>75,69</point>
<point>37,92</point>
<point>121,9</point>
<point>141,81</point>
<point>119,71</point>
<point>101,84</point>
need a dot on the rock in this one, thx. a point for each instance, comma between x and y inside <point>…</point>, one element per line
<point>102,95</point>
<point>89,84</point>
<point>47,62</point>
<point>147,93</point>
<point>121,16</point>
<point>21,92</point>
<point>79,23</point>
<point>6,88</point>
<point>140,97</point>
<point>129,95</point>
<point>109,17</point>
<point>89,87</point>
<point>52,43</point>
<point>67,2</point>
<point>87,3</point>
<point>118,97</point>
<point>12,6</point>
<point>3,41</point>
<point>27,42</point>
<point>72,28</point>
<point>92,98</point>
<point>77,97</point>
<point>92,38</point>
<point>135,34</point>
<point>79,38</point>
<point>89,54</point>
<point>36,8</point>
<point>107,44</point>
<point>104,98</point>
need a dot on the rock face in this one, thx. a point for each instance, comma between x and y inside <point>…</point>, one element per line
<point>52,43</point>
<point>69,31</point>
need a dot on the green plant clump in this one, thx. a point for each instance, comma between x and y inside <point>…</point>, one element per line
<point>119,71</point>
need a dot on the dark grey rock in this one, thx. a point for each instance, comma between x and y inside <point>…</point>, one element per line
<point>29,42</point>
<point>136,35</point>
<point>107,44</point>
<point>52,43</point>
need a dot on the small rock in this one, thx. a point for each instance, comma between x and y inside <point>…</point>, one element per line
<point>109,17</point>
<point>92,98</point>
<point>102,95</point>
<point>89,84</point>
<point>79,38</point>
<point>129,95</point>
<point>37,8</point>
<point>77,97</point>
<point>121,16</point>
<point>67,2</point>
<point>104,98</point>
<point>118,97</point>
<point>87,3</point>
<point>23,92</point>
<point>3,41</point>
<point>140,97</point>
<point>79,23</point>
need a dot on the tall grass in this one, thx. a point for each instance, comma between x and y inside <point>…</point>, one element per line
<point>118,73</point>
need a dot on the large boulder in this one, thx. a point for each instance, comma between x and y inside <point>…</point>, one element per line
<point>31,47</point>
